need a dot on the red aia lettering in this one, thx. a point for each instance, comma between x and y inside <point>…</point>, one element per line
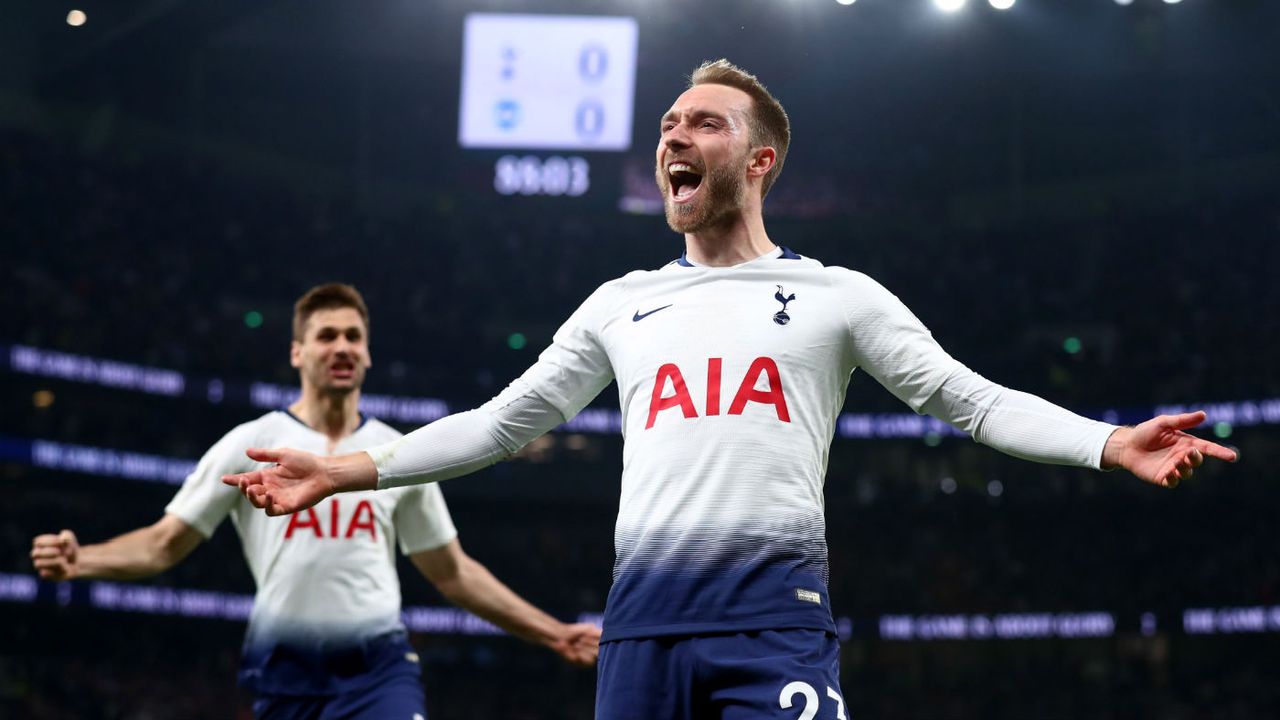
<point>365,510</point>
<point>747,391</point>
<point>713,386</point>
<point>362,519</point>
<point>312,522</point>
<point>658,403</point>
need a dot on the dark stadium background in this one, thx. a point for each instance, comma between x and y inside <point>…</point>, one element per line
<point>1079,198</point>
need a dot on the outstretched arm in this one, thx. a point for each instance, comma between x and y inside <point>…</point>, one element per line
<point>300,479</point>
<point>896,348</point>
<point>143,552</point>
<point>1159,452</point>
<point>448,448</point>
<point>1025,426</point>
<point>470,585</point>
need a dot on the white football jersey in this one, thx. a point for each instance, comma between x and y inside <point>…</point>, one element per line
<point>730,382</point>
<point>326,577</point>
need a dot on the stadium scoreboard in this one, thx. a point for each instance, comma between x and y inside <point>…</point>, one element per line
<point>550,87</point>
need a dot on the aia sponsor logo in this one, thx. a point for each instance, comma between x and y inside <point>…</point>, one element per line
<point>670,376</point>
<point>310,524</point>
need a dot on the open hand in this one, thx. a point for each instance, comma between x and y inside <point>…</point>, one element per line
<point>1159,452</point>
<point>297,481</point>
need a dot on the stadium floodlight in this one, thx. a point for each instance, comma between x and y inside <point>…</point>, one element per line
<point>845,2</point>
<point>949,5</point>
<point>1124,2</point>
<point>1172,2</point>
<point>1002,4</point>
<point>76,18</point>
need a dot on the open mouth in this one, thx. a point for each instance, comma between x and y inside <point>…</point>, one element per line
<point>684,181</point>
<point>343,370</point>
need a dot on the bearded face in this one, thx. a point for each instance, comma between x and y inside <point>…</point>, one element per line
<point>696,198</point>
<point>703,156</point>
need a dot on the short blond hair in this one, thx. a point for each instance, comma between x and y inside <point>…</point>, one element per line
<point>769,124</point>
<point>328,296</point>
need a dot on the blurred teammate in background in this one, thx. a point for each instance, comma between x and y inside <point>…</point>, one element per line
<point>732,364</point>
<point>325,639</point>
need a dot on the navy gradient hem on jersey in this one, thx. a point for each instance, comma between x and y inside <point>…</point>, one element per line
<point>756,596</point>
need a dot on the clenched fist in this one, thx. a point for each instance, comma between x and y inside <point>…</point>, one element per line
<point>56,557</point>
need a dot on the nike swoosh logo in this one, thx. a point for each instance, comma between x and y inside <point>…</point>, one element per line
<point>639,316</point>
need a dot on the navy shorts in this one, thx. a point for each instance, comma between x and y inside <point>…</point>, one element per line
<point>395,696</point>
<point>784,674</point>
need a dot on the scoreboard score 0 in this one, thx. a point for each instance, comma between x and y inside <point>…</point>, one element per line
<point>547,82</point>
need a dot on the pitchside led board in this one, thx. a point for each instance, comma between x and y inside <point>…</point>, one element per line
<point>550,83</point>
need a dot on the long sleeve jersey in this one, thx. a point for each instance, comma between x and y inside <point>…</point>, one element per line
<point>730,382</point>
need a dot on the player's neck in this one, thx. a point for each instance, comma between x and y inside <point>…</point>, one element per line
<point>738,240</point>
<point>335,415</point>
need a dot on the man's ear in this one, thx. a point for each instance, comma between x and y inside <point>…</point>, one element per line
<point>762,161</point>
<point>295,354</point>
